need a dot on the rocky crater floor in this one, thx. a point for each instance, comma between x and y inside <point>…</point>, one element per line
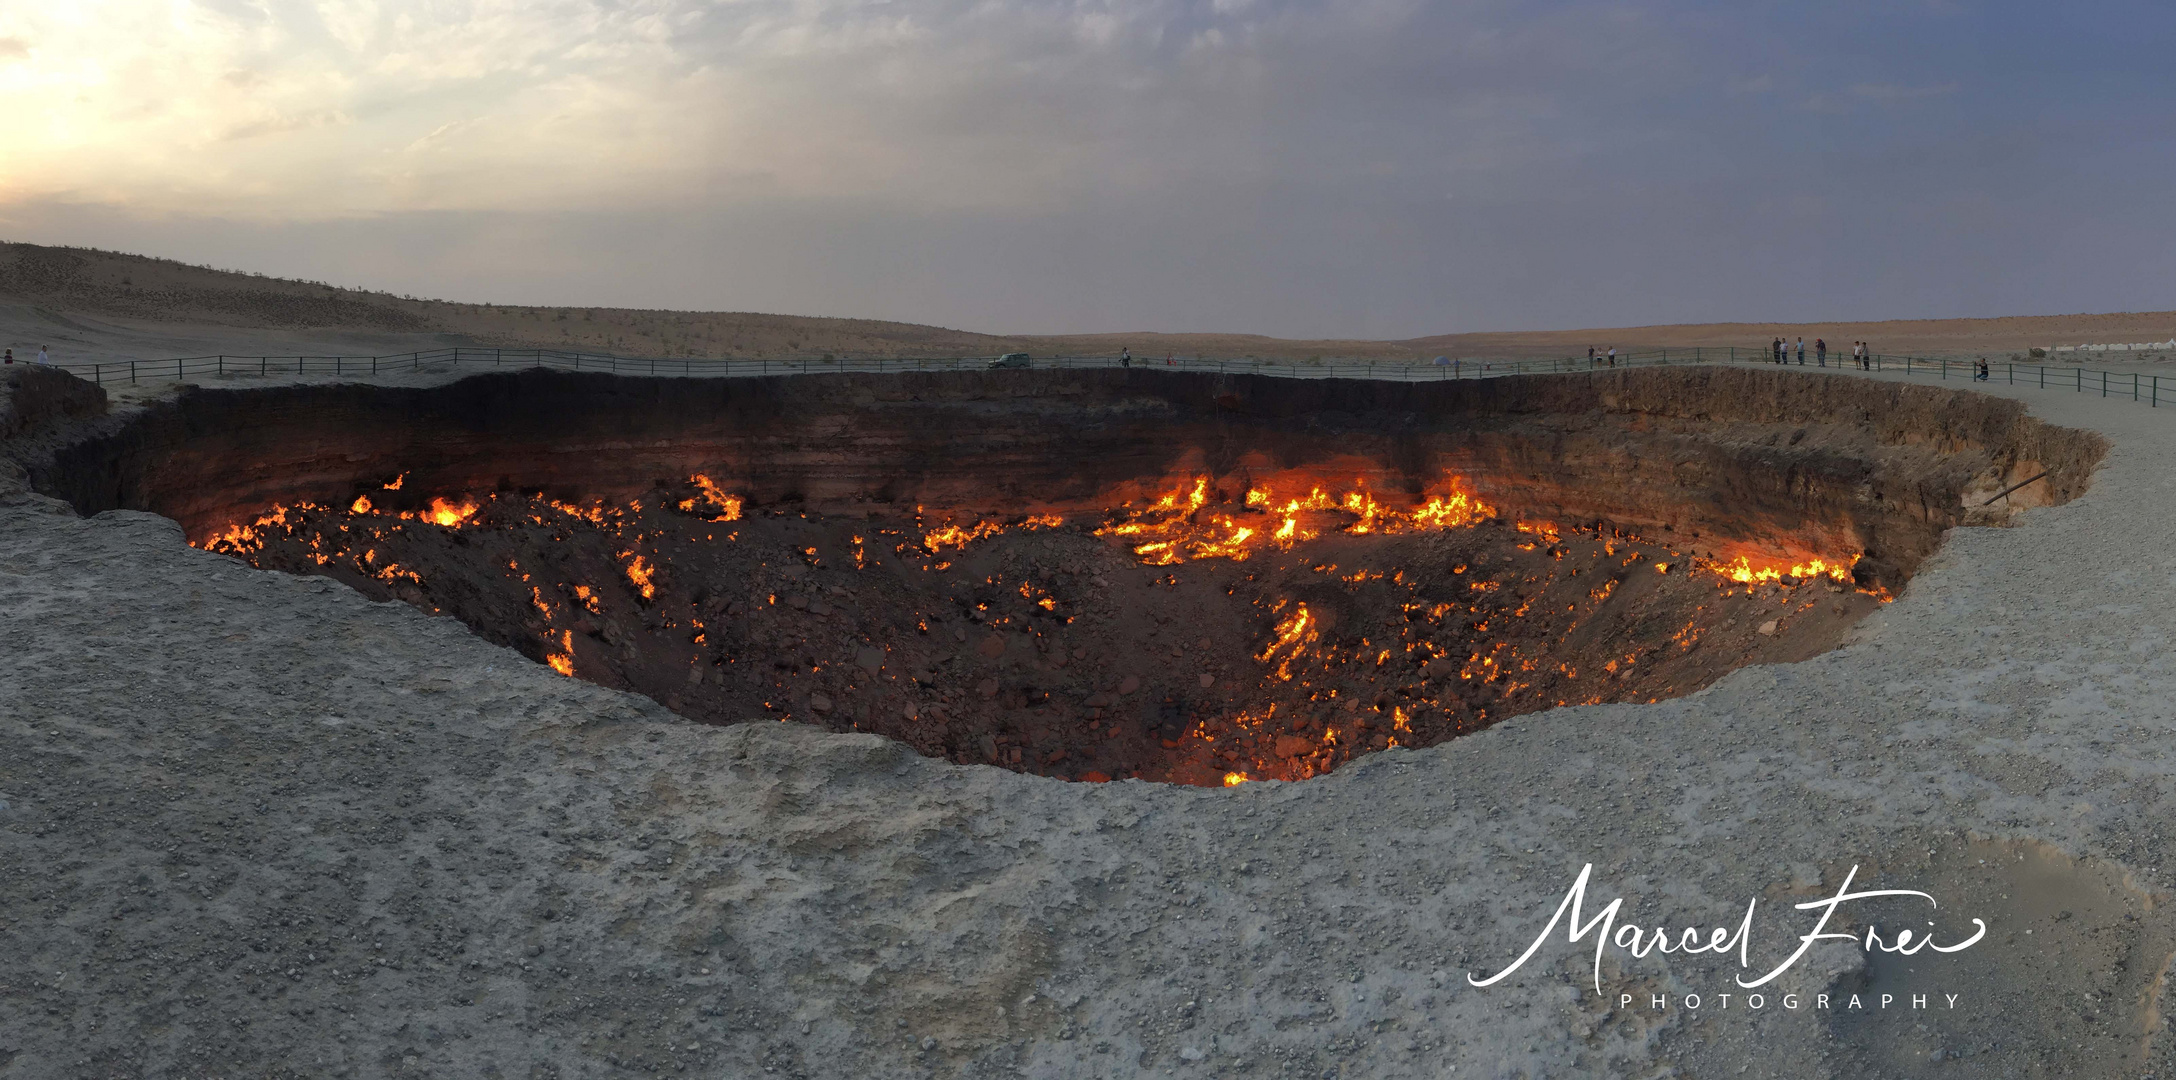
<point>263,823</point>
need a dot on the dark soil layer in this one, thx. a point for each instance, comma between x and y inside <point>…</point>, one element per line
<point>1056,650</point>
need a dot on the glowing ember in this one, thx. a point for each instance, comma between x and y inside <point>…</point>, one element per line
<point>1234,779</point>
<point>563,660</point>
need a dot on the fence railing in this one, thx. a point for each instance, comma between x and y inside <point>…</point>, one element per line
<point>2145,388</point>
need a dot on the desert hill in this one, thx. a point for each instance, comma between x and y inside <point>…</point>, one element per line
<point>147,293</point>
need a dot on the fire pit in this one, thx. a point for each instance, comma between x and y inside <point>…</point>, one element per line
<point>1105,575</point>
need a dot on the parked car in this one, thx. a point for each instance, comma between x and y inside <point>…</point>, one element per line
<point>1010,360</point>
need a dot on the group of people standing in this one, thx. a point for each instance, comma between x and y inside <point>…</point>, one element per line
<point>1780,351</point>
<point>1595,359</point>
<point>9,357</point>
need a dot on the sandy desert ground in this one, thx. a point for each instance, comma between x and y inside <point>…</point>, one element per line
<point>93,305</point>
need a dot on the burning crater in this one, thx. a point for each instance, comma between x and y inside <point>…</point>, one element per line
<point>1099,575</point>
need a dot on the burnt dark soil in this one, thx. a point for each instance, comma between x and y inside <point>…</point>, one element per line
<point>1052,649</point>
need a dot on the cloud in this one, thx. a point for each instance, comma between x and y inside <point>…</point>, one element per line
<point>317,107</point>
<point>1269,165</point>
<point>283,123</point>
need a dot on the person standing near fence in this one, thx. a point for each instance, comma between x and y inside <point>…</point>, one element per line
<point>1590,356</point>
<point>10,357</point>
<point>1801,352</point>
<point>1125,356</point>
<point>1820,352</point>
<point>1613,356</point>
<point>42,357</point>
<point>1777,347</point>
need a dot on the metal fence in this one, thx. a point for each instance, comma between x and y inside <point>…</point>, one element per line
<point>2145,388</point>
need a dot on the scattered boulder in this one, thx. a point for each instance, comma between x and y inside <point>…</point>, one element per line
<point>870,660</point>
<point>821,703</point>
<point>1767,629</point>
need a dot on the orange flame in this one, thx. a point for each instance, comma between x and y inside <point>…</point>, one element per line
<point>1292,637</point>
<point>951,535</point>
<point>1745,573</point>
<point>712,500</point>
<point>1180,525</point>
<point>448,514</point>
<point>640,573</point>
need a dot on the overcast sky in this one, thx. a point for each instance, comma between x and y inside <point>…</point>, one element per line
<point>1372,168</point>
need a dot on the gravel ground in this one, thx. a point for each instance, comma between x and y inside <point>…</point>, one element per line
<point>257,825</point>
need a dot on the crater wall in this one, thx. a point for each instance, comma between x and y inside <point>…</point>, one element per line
<point>1780,465</point>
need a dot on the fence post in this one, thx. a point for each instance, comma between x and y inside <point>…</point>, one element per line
<point>2043,377</point>
<point>2134,386</point>
<point>2080,379</point>
<point>1945,369</point>
<point>2156,391</point>
<point>132,371</point>
<point>1907,364</point>
<point>2013,373</point>
<point>2104,384</point>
